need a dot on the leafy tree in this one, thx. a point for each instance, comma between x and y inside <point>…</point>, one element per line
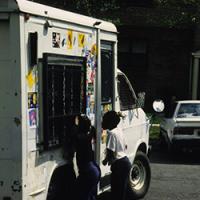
<point>185,11</point>
<point>87,7</point>
<point>167,13</point>
<point>178,3</point>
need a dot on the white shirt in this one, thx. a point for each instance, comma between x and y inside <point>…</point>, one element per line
<point>116,142</point>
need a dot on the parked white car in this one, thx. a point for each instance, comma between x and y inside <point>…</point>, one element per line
<point>181,127</point>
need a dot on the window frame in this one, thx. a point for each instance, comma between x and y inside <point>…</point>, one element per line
<point>63,61</point>
<point>107,46</point>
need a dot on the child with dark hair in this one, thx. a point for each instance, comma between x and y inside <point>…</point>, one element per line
<point>89,172</point>
<point>116,156</point>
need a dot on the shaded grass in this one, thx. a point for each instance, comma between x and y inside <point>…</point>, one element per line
<point>155,126</point>
<point>154,132</point>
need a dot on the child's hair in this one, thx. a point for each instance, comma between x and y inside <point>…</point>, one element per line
<point>84,124</point>
<point>110,120</point>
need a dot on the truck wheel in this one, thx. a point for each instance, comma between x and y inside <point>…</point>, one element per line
<point>139,176</point>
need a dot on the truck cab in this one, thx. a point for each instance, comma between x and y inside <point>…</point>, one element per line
<point>54,65</point>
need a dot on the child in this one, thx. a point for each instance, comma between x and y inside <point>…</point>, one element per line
<point>116,156</point>
<point>89,172</point>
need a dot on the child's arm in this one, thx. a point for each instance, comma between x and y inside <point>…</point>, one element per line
<point>92,133</point>
<point>109,157</point>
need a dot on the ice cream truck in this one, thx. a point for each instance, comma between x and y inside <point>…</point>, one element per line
<point>54,65</point>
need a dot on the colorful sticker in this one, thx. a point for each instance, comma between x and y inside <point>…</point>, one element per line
<point>92,104</point>
<point>90,88</point>
<point>63,41</point>
<point>91,71</point>
<point>56,40</point>
<point>32,100</point>
<point>70,39</point>
<point>32,118</point>
<point>91,67</point>
<point>104,137</point>
<point>107,107</point>
<point>92,118</point>
<point>94,49</point>
<point>31,79</point>
<point>84,52</point>
<point>81,40</point>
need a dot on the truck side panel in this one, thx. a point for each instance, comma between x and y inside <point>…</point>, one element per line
<point>52,40</point>
<point>10,113</point>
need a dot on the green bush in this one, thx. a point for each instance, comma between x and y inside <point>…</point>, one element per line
<point>154,132</point>
<point>155,126</point>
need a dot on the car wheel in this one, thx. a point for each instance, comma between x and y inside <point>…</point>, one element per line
<point>139,177</point>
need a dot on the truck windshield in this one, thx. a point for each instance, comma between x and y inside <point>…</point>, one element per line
<point>189,110</point>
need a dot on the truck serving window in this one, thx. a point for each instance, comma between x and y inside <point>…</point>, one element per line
<point>63,95</point>
<point>126,96</point>
<point>106,72</point>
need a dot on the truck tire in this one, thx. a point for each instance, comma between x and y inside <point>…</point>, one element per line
<point>139,177</point>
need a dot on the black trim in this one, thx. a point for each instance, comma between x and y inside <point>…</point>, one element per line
<point>33,48</point>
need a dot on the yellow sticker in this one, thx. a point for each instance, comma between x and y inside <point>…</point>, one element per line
<point>81,40</point>
<point>104,137</point>
<point>94,49</point>
<point>107,108</point>
<point>31,79</point>
<point>70,39</point>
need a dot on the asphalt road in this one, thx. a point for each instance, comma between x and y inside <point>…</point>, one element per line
<point>174,177</point>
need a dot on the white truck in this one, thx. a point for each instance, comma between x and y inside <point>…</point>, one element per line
<point>54,65</point>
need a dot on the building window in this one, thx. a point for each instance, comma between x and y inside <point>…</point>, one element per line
<point>133,54</point>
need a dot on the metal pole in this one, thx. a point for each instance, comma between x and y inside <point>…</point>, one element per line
<point>98,97</point>
<point>195,78</point>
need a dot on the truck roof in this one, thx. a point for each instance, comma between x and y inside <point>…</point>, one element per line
<point>54,13</point>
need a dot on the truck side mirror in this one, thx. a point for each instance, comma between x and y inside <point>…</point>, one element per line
<point>158,105</point>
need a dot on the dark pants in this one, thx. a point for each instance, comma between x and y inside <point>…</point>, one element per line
<point>119,178</point>
<point>86,182</point>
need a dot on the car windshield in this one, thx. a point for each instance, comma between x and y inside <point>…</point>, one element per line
<point>189,110</point>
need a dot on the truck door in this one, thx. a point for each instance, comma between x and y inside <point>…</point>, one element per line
<point>107,93</point>
<point>131,122</point>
